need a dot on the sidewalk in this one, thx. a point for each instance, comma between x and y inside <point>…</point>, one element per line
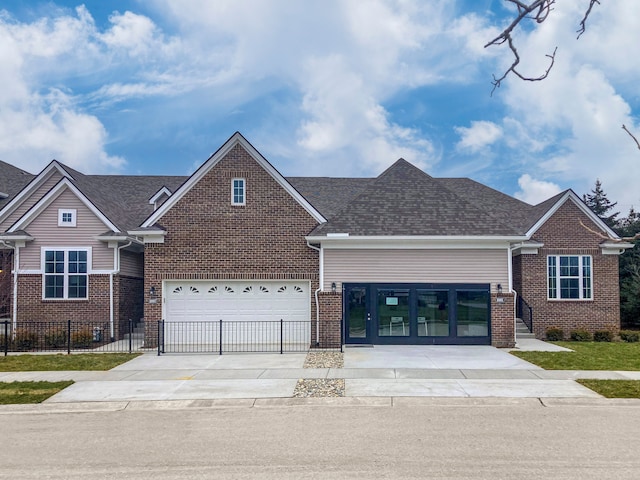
<point>382,372</point>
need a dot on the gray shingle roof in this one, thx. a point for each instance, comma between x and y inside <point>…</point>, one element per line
<point>12,180</point>
<point>328,195</point>
<point>404,200</point>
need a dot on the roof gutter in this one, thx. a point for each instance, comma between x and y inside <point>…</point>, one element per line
<point>16,263</point>
<point>320,260</point>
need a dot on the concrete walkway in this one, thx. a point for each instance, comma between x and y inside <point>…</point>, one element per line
<point>380,371</point>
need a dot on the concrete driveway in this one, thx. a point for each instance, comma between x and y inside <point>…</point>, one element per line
<point>380,371</point>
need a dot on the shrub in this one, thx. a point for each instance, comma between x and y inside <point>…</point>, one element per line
<point>82,338</point>
<point>25,340</point>
<point>603,336</point>
<point>55,338</point>
<point>581,335</point>
<point>554,334</point>
<point>630,336</point>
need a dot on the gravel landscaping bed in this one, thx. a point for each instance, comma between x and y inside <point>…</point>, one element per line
<point>319,387</point>
<point>324,360</point>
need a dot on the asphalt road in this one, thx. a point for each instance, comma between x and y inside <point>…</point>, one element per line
<point>520,441</point>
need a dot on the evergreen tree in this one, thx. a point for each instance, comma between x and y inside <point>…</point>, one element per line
<point>598,202</point>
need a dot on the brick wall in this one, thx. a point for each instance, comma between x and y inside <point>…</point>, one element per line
<point>31,306</point>
<point>330,319</point>
<point>208,238</point>
<point>562,234</point>
<point>502,321</point>
<point>6,265</point>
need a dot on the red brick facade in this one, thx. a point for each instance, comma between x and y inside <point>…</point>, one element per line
<point>502,320</point>
<point>563,234</point>
<point>127,297</point>
<point>208,238</point>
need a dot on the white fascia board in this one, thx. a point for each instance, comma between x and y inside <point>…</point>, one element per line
<point>235,139</point>
<point>570,195</point>
<point>45,201</point>
<point>33,185</point>
<point>414,242</point>
<point>526,248</point>
<point>163,191</point>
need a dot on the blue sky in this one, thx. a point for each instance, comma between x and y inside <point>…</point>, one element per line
<point>333,88</point>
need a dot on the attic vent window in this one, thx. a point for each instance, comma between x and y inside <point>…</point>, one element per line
<point>238,191</point>
<point>66,217</point>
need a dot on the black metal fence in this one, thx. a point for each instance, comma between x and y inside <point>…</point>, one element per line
<point>69,336</point>
<point>221,336</point>
<point>525,312</point>
<point>217,337</point>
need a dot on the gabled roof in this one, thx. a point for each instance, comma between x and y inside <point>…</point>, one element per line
<point>403,201</point>
<point>12,180</point>
<point>554,203</point>
<point>236,139</point>
<point>45,201</point>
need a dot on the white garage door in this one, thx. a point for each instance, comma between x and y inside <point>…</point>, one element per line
<point>250,312</point>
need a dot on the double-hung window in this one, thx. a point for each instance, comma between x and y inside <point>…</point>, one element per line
<point>569,277</point>
<point>238,193</point>
<point>65,274</point>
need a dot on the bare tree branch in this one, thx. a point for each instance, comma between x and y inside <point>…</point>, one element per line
<point>605,237</point>
<point>624,127</point>
<point>539,11</point>
<point>583,22</point>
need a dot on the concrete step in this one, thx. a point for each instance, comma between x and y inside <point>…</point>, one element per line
<point>525,335</point>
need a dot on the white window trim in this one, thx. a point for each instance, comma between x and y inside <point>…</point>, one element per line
<point>244,192</point>
<point>580,279</point>
<point>62,212</point>
<point>65,290</point>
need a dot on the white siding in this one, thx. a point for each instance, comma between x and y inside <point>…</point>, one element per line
<point>416,266</point>
<point>47,233</point>
<point>131,264</point>
<point>30,201</point>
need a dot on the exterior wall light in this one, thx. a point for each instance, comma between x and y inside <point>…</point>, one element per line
<point>499,289</point>
<point>333,287</point>
<point>152,292</point>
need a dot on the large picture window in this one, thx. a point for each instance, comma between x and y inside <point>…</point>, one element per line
<point>569,277</point>
<point>65,274</point>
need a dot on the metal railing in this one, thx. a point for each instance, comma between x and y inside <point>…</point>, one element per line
<point>525,312</point>
<point>225,336</point>
<point>69,336</point>
<point>217,337</point>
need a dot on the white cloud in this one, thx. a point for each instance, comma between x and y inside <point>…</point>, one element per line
<point>37,126</point>
<point>570,123</point>
<point>478,136</point>
<point>535,191</point>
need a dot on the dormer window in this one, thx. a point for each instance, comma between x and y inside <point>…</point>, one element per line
<point>67,217</point>
<point>238,191</point>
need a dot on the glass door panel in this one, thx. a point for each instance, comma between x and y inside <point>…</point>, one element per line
<point>472,313</point>
<point>357,312</point>
<point>393,312</point>
<point>433,313</point>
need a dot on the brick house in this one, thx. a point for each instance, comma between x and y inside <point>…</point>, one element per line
<point>403,258</point>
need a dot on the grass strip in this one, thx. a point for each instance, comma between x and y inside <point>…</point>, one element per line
<point>29,392</point>
<point>81,361</point>
<point>587,356</point>
<point>613,388</point>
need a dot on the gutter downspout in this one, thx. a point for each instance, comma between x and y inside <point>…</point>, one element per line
<point>515,297</point>
<point>16,264</point>
<point>116,271</point>
<point>316,292</point>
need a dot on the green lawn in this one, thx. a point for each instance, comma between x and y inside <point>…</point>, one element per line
<point>587,356</point>
<point>84,361</point>
<point>614,388</point>
<point>29,392</point>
